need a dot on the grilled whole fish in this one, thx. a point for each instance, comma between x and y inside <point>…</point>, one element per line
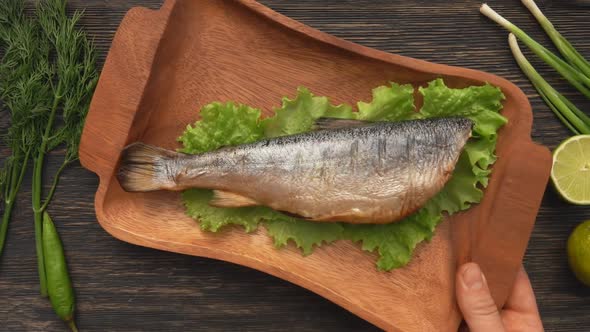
<point>348,171</point>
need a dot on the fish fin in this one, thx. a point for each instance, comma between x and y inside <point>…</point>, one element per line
<point>353,216</point>
<point>341,217</point>
<point>336,123</point>
<point>228,199</point>
<point>142,167</point>
<point>293,215</point>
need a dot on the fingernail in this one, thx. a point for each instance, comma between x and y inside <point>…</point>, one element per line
<point>472,277</point>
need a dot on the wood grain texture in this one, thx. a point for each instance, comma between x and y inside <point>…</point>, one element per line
<point>122,287</point>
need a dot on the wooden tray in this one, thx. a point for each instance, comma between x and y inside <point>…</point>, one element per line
<point>164,65</point>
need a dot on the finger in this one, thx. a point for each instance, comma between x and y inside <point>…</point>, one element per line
<point>522,298</point>
<point>475,301</point>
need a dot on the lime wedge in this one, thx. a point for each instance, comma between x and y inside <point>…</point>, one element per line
<point>571,169</point>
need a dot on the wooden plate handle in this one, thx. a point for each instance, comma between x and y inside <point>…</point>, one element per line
<point>508,218</point>
<point>115,105</point>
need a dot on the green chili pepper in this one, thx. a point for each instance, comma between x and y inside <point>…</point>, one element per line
<point>59,285</point>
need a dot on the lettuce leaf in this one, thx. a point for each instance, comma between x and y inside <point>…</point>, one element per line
<point>390,103</point>
<point>230,124</point>
<point>394,242</point>
<point>479,103</point>
<point>305,234</point>
<point>298,115</point>
<point>213,219</point>
<point>221,125</point>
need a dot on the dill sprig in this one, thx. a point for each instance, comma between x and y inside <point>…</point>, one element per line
<point>76,76</point>
<point>72,83</point>
<point>47,77</point>
<point>24,72</point>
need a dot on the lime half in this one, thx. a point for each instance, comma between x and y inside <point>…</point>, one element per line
<point>571,169</point>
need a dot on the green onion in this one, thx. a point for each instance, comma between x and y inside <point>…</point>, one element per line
<point>573,75</point>
<point>563,45</point>
<point>567,112</point>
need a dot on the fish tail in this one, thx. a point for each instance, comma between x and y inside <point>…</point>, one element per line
<point>146,168</point>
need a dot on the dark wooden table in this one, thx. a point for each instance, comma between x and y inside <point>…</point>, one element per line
<point>121,287</point>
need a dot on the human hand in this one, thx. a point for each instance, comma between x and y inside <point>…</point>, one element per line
<point>520,312</point>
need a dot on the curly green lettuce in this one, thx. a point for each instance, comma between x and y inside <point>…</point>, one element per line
<point>232,124</point>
